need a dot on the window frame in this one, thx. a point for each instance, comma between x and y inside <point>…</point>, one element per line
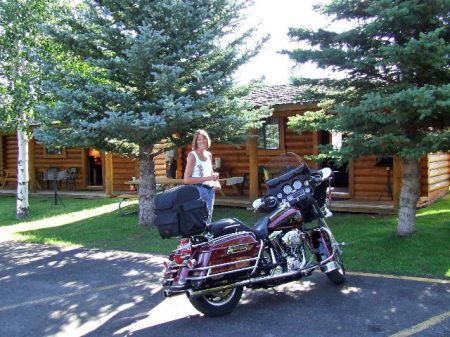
<point>281,145</point>
<point>56,153</point>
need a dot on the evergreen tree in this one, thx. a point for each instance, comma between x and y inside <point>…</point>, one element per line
<point>395,97</point>
<point>148,72</point>
<point>22,46</point>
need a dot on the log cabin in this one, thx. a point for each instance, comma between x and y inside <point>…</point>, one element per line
<point>367,179</point>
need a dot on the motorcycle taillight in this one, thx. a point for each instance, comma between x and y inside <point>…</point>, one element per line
<point>183,251</point>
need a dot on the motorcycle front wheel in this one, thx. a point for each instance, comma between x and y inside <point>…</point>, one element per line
<point>337,276</point>
<point>218,303</point>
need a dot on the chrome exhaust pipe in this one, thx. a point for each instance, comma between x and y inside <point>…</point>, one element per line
<point>204,292</point>
<point>173,292</point>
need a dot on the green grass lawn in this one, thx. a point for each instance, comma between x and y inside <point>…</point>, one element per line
<point>43,207</point>
<point>372,244</point>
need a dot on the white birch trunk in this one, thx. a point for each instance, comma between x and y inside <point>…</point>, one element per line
<point>409,195</point>
<point>22,205</point>
<point>147,186</point>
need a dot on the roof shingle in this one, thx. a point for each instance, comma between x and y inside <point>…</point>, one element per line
<point>276,95</point>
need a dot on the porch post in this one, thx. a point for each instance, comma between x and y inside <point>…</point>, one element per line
<point>315,148</point>
<point>31,165</point>
<point>109,180</point>
<point>397,180</point>
<point>1,153</point>
<point>83,169</point>
<point>351,178</point>
<point>252,151</point>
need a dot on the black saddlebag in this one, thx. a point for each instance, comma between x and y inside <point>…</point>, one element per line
<point>180,212</point>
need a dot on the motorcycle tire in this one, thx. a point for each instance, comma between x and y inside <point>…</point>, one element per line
<point>337,276</point>
<point>217,304</point>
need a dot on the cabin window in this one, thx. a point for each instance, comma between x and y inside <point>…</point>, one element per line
<point>269,134</point>
<point>55,152</point>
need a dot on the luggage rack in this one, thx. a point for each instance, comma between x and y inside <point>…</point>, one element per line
<point>253,263</point>
<point>210,268</point>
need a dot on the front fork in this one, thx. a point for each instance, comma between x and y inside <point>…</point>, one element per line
<point>327,245</point>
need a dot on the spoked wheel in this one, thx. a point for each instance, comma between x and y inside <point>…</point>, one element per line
<point>337,276</point>
<point>217,304</point>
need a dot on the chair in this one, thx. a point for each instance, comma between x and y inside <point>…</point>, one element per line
<point>50,174</point>
<point>263,176</point>
<point>71,177</point>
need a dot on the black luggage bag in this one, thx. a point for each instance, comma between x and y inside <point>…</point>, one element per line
<point>180,212</point>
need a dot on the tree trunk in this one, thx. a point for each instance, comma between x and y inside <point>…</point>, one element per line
<point>409,196</point>
<point>147,186</point>
<point>22,205</point>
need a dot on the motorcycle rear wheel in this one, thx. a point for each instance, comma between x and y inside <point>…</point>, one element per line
<point>219,303</point>
<point>337,276</point>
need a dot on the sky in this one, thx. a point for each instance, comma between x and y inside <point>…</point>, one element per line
<point>274,17</point>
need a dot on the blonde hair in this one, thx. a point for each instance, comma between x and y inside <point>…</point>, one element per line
<point>203,133</point>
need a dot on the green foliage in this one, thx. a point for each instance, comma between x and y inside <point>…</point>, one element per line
<point>147,72</point>
<point>22,46</point>
<point>395,98</point>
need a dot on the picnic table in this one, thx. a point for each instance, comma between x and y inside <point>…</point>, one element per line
<point>163,183</point>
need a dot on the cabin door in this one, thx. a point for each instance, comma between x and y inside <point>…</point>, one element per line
<point>340,181</point>
<point>94,168</point>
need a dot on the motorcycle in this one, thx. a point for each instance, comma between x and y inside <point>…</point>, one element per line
<point>213,263</point>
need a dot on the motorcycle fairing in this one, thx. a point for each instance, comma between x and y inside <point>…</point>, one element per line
<point>275,185</point>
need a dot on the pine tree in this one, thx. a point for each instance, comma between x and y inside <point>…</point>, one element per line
<point>146,73</point>
<point>395,97</point>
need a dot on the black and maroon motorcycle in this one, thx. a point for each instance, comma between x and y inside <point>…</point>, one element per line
<point>213,263</point>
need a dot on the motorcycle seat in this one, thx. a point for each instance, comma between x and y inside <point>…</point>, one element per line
<point>233,225</point>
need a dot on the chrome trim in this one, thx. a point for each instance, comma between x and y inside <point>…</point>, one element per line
<point>251,281</point>
<point>259,256</point>
<point>333,247</point>
<point>333,265</point>
<point>223,264</point>
<point>197,278</point>
<point>209,269</point>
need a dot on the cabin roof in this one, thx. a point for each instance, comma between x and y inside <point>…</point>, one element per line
<point>277,95</point>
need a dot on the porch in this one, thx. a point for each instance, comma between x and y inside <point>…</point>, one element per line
<point>337,205</point>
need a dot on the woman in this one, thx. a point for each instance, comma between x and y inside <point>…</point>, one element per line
<point>199,170</point>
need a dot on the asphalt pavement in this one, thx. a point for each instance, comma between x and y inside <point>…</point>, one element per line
<point>54,291</point>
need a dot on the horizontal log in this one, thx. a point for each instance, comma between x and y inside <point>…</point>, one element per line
<point>371,187</point>
<point>433,195</point>
<point>439,178</point>
<point>370,172</point>
<point>371,196</point>
<point>438,186</point>
<point>438,164</point>
<point>371,179</point>
<point>437,172</point>
<point>433,157</point>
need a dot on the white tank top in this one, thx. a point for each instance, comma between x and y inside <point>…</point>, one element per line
<point>202,168</point>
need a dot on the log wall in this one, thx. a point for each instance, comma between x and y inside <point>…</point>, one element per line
<point>435,175</point>
<point>370,181</point>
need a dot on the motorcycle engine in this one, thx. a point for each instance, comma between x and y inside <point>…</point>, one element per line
<point>292,241</point>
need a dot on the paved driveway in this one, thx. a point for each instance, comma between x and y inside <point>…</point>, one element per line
<point>53,291</point>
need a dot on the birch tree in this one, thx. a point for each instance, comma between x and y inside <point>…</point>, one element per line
<point>21,44</point>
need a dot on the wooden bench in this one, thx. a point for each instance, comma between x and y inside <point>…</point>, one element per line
<point>8,176</point>
<point>125,210</point>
